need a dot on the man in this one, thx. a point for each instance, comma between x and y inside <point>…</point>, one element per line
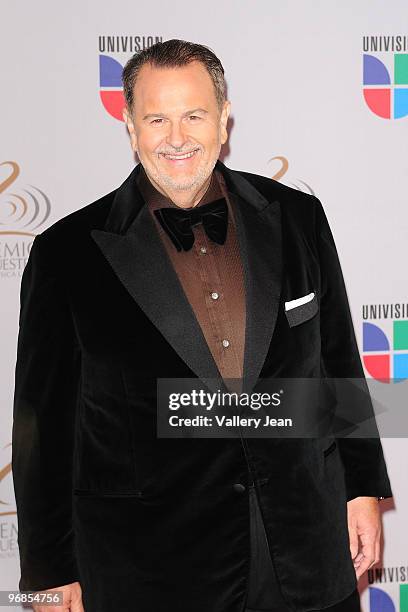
<point>185,271</point>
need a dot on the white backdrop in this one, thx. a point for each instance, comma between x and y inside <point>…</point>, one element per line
<point>295,79</point>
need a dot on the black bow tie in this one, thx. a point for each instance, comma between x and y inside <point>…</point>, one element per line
<point>178,222</point>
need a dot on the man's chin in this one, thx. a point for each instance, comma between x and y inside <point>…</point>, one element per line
<point>179,183</point>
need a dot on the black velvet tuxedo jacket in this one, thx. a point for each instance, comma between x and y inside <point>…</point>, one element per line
<point>149,524</point>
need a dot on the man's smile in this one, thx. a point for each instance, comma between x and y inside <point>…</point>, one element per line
<point>179,157</point>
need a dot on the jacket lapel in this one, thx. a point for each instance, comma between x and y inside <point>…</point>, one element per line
<point>130,243</point>
<point>260,240</point>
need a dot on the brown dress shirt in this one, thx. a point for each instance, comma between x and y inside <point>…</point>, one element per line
<point>212,278</point>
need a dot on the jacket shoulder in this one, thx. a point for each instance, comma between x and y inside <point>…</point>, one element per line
<point>297,207</point>
<point>78,223</point>
<point>270,188</point>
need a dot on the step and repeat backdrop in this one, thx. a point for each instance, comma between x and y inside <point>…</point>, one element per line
<point>319,94</point>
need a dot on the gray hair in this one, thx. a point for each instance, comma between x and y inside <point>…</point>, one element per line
<point>173,53</point>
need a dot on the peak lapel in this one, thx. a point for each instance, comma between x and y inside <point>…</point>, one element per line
<point>133,248</point>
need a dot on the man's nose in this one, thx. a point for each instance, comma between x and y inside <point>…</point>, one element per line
<point>176,136</point>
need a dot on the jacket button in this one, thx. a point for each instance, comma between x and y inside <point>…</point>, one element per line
<point>238,487</point>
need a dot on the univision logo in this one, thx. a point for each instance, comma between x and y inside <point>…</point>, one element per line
<point>385,80</point>
<point>380,601</point>
<point>111,91</point>
<point>386,358</point>
<point>110,69</point>
<point>385,96</point>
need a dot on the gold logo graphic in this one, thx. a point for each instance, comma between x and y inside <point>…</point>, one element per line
<point>284,165</point>
<point>27,208</point>
<point>5,471</point>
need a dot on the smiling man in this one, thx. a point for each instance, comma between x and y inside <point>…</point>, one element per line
<point>188,270</point>
<point>177,126</point>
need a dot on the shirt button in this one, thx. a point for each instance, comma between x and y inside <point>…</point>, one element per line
<point>225,343</point>
<point>238,487</point>
<point>203,249</point>
<point>214,295</point>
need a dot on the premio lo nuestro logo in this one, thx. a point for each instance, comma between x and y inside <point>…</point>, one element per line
<point>385,75</point>
<point>280,166</point>
<point>7,503</point>
<point>8,531</point>
<point>110,68</point>
<point>24,209</point>
<point>385,342</point>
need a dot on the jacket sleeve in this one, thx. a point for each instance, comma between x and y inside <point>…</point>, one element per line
<point>47,377</point>
<point>362,457</point>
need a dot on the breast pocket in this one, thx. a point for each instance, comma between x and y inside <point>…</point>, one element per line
<point>301,309</point>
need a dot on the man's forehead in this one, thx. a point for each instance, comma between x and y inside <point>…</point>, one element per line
<point>193,75</point>
<point>158,89</point>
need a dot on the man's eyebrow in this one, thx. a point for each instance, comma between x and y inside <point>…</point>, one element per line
<point>189,112</point>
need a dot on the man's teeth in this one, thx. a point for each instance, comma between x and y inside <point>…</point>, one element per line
<point>185,156</point>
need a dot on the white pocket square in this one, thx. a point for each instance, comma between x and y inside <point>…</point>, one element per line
<point>299,301</point>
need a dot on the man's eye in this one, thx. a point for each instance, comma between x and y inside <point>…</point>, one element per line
<point>157,121</point>
<point>194,117</point>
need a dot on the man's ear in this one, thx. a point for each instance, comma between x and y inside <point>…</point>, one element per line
<point>127,118</point>
<point>226,109</point>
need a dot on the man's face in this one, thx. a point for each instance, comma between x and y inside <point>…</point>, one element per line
<point>176,126</point>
